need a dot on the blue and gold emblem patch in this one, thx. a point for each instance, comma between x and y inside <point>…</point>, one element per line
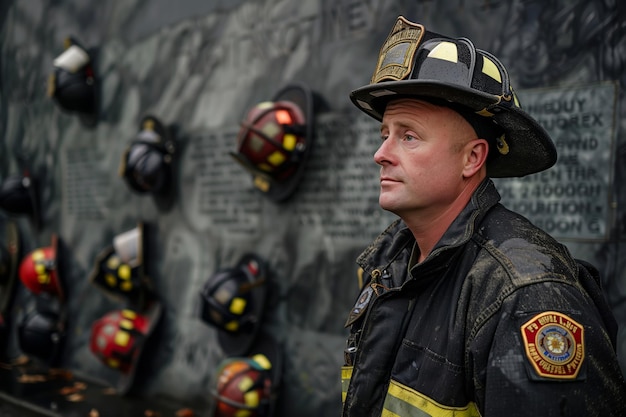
<point>554,345</point>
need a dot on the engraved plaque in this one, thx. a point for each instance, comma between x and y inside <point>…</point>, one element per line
<point>571,200</point>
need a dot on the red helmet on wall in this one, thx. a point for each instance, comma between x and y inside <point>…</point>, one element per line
<point>275,141</point>
<point>244,387</point>
<point>249,386</point>
<point>119,338</point>
<point>40,272</point>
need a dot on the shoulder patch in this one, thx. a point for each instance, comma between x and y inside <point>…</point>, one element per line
<point>554,344</point>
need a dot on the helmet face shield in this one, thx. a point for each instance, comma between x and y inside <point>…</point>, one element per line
<point>416,63</point>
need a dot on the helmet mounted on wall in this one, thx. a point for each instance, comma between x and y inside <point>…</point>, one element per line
<point>147,163</point>
<point>41,334</point>
<point>120,338</point>
<point>72,83</point>
<point>249,385</point>
<point>41,331</point>
<point>119,270</point>
<point>275,141</point>
<point>41,271</point>
<point>232,300</point>
<point>19,196</point>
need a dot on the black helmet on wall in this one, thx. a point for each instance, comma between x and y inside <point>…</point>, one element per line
<point>416,63</point>
<point>72,83</point>
<point>41,334</point>
<point>18,196</point>
<point>147,164</point>
<point>120,271</point>
<point>232,300</point>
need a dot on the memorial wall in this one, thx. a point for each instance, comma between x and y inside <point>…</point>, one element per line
<point>198,67</point>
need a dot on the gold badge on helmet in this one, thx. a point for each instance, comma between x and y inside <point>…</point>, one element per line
<point>417,63</point>
<point>395,60</point>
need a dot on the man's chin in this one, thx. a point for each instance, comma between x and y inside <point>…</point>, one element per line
<point>386,204</point>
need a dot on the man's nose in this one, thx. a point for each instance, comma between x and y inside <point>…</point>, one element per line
<point>384,152</point>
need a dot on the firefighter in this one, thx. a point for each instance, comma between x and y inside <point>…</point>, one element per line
<point>467,309</point>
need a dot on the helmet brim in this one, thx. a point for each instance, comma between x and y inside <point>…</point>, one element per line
<point>7,282</point>
<point>530,148</point>
<point>152,313</point>
<point>60,252</point>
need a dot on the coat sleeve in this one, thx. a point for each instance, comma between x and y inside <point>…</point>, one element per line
<point>547,351</point>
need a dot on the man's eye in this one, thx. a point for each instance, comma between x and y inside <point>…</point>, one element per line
<point>409,138</point>
<point>383,137</point>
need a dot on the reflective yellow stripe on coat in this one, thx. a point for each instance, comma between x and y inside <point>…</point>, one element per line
<point>402,401</point>
<point>346,374</point>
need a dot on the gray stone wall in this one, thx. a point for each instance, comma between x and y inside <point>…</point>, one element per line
<point>199,66</point>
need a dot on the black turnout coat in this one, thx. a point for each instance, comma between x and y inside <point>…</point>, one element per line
<point>498,320</point>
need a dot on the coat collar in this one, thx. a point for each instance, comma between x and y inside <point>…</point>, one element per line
<point>396,241</point>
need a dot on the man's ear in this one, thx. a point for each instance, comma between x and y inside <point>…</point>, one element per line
<point>476,152</point>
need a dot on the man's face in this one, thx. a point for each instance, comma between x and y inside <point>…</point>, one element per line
<point>421,157</point>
